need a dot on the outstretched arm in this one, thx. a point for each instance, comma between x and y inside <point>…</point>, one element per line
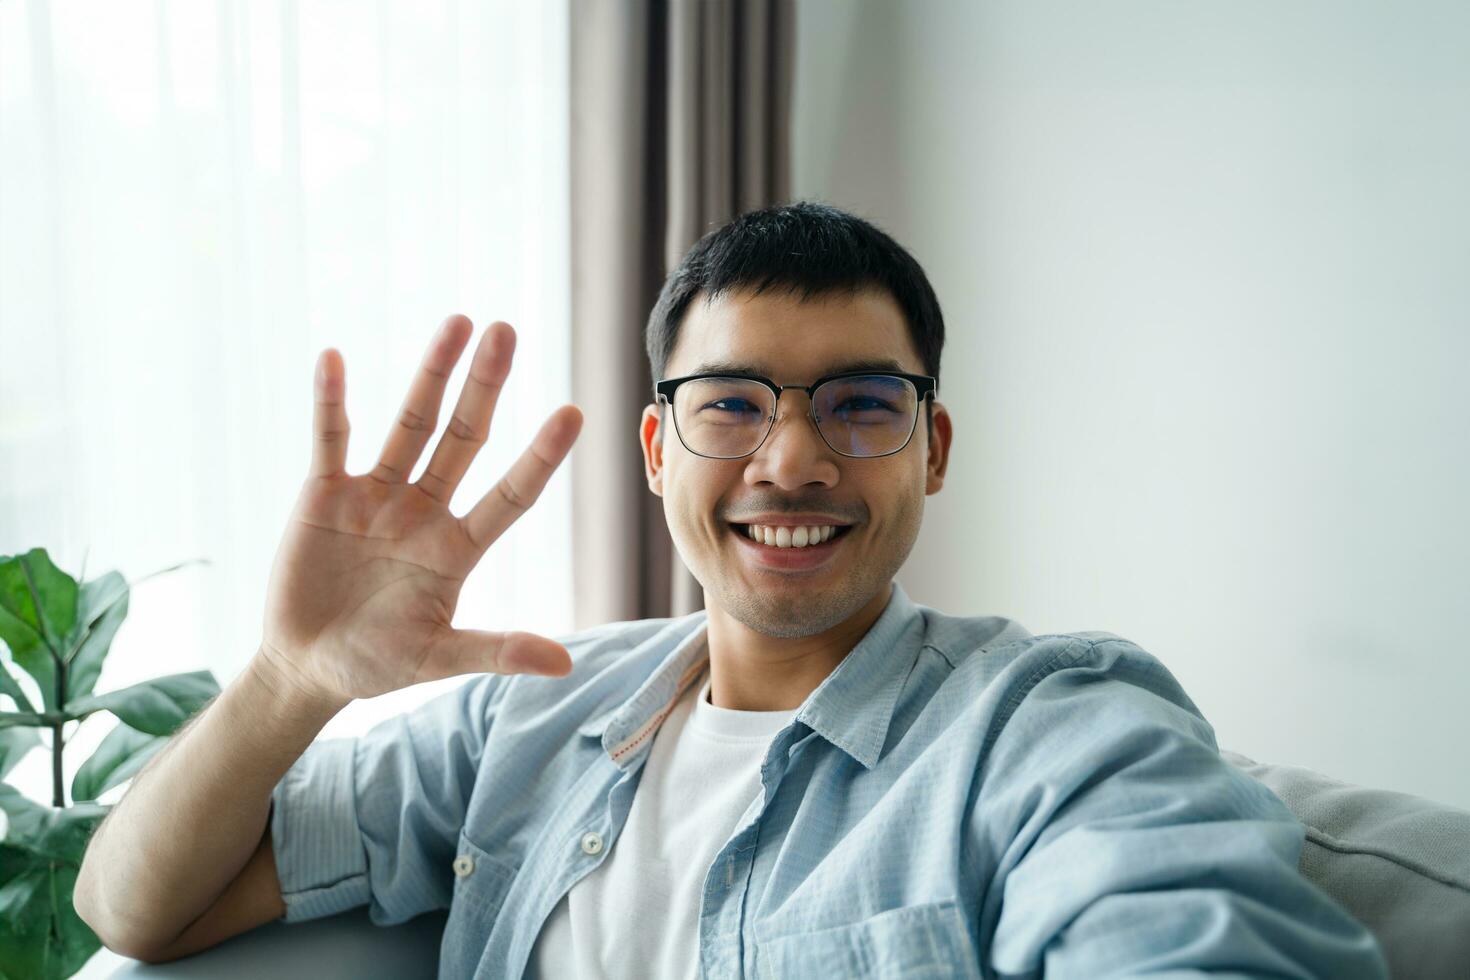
<point>1127,846</point>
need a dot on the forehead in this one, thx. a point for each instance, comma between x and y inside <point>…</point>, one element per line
<point>791,340</point>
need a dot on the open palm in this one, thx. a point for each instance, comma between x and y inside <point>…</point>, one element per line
<point>369,571</point>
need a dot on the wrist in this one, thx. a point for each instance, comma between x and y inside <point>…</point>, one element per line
<point>268,672</point>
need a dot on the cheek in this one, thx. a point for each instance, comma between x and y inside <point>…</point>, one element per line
<point>898,500</point>
<point>692,496</point>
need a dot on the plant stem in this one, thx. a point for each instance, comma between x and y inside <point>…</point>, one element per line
<point>58,796</point>
<point>57,800</point>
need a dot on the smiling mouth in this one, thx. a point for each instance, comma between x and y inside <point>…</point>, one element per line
<point>793,539</point>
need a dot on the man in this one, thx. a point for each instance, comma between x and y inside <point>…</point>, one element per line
<point>814,777</point>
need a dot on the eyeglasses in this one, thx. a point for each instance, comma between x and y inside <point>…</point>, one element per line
<point>858,414</point>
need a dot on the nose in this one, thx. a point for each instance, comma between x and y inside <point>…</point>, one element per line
<point>794,454</point>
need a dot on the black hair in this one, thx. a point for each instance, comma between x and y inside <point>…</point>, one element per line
<point>807,247</point>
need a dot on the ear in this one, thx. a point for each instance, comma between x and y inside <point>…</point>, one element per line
<point>652,442</point>
<point>938,460</point>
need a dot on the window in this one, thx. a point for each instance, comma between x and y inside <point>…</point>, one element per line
<point>195,200</point>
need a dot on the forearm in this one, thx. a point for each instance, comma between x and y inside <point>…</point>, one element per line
<point>196,813</point>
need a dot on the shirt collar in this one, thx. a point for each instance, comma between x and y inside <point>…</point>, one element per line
<point>627,729</point>
<point>854,705</point>
<point>851,708</point>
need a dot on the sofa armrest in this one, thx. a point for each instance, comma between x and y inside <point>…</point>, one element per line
<point>1399,864</point>
<point>340,947</point>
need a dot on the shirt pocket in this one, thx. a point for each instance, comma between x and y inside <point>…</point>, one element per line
<point>914,942</point>
<point>480,886</point>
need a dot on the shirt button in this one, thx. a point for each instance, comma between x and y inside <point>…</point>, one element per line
<point>592,843</point>
<point>463,865</point>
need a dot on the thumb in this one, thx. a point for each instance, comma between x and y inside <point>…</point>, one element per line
<point>514,652</point>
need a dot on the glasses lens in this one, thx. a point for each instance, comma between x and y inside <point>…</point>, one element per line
<point>722,417</point>
<point>867,415</point>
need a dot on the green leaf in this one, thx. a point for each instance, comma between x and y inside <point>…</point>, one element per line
<point>157,707</point>
<point>102,605</point>
<point>10,719</point>
<point>11,687</point>
<point>23,819</point>
<point>19,808</point>
<point>41,935</point>
<point>24,923</point>
<point>14,744</point>
<point>47,833</point>
<point>38,608</point>
<point>122,753</point>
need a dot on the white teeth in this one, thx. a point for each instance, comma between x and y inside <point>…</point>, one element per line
<point>791,537</point>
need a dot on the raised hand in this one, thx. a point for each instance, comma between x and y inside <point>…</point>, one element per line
<point>368,574</point>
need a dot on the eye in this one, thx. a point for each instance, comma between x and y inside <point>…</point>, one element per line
<point>736,405</point>
<point>873,404</point>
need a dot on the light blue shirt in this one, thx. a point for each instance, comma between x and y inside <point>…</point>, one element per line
<point>958,798</point>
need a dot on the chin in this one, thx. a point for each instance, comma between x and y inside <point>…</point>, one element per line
<point>791,616</point>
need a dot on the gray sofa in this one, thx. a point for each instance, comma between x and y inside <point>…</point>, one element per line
<point>1399,863</point>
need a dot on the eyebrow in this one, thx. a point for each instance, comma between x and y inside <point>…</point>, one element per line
<point>872,364</point>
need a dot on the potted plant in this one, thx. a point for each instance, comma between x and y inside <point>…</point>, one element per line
<point>58,631</point>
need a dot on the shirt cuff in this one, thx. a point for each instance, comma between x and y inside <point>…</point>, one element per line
<point>320,858</point>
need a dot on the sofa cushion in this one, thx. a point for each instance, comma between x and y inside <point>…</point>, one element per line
<point>1400,864</point>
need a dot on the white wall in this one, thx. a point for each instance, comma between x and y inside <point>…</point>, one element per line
<point>1204,271</point>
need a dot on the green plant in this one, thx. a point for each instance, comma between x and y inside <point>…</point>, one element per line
<point>59,632</point>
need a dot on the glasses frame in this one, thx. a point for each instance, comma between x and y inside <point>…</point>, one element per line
<point>926,386</point>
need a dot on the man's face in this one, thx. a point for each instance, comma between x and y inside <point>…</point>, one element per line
<point>794,475</point>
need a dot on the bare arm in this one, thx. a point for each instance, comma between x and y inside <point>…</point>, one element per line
<point>195,815</point>
<point>252,899</point>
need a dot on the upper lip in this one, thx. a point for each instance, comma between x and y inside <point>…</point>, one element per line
<point>792,520</point>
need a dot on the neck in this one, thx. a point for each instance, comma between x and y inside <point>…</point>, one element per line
<point>750,671</point>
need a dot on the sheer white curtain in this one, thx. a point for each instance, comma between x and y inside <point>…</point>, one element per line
<point>196,199</point>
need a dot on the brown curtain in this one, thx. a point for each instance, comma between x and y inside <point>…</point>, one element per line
<point>679,122</point>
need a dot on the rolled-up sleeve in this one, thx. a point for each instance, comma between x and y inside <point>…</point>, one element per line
<point>1125,845</point>
<point>374,820</point>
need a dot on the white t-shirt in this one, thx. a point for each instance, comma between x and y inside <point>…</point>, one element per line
<point>637,913</point>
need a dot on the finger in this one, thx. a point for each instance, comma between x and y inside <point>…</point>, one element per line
<point>329,422</point>
<point>420,411</point>
<point>469,427</point>
<point>524,481</point>
<point>478,651</point>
